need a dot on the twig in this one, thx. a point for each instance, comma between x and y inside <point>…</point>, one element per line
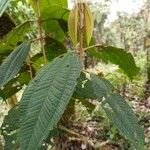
<point>75,135</point>
<point>30,68</point>
<point>93,46</point>
<point>38,39</point>
<point>81,26</point>
<point>35,63</point>
<point>39,21</point>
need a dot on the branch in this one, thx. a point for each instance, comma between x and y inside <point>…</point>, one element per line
<point>30,68</point>
<point>93,46</point>
<point>81,26</point>
<point>39,21</point>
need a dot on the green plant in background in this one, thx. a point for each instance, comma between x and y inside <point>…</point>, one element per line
<point>55,75</point>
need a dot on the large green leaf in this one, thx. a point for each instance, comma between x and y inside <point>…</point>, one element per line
<point>53,48</point>
<point>63,24</point>
<point>9,90</point>
<point>9,41</point>
<point>52,17</point>
<point>46,4</point>
<point>49,3</point>
<point>12,64</point>
<point>123,118</point>
<point>10,128</point>
<point>89,23</point>
<point>117,56</point>
<point>101,86</point>
<point>73,22</point>
<point>16,84</point>
<point>46,98</point>
<point>84,88</point>
<point>92,87</point>
<point>3,6</point>
<point>53,14</point>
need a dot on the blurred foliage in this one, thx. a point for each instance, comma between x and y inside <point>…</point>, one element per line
<point>21,10</point>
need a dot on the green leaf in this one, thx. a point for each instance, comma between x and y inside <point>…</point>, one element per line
<point>9,90</point>
<point>117,56</point>
<point>55,12</point>
<point>53,28</point>
<point>73,24</point>
<point>9,41</point>
<point>24,78</point>
<point>15,85</point>
<point>53,48</point>
<point>101,86</point>
<point>89,23</point>
<point>52,9</point>
<point>10,128</point>
<point>63,24</point>
<point>52,12</point>
<point>84,88</point>
<point>52,17</point>
<point>12,64</point>
<point>38,60</point>
<point>92,87</point>
<point>44,4</point>
<point>123,118</point>
<point>46,98</point>
<point>3,6</point>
